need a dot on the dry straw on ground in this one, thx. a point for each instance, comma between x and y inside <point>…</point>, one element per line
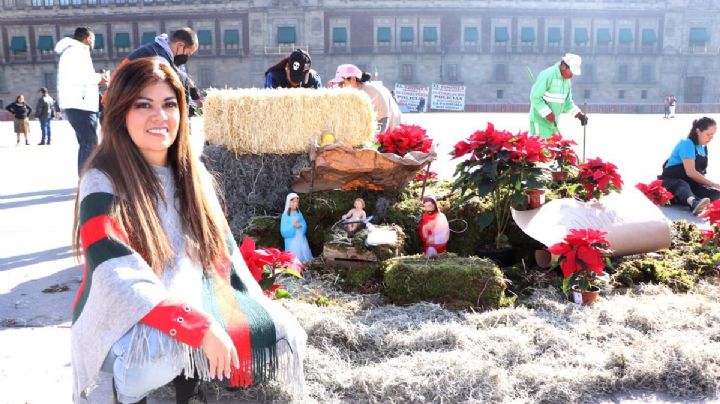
<point>282,121</point>
<point>648,343</point>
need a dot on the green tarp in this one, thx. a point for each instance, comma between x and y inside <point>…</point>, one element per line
<point>430,34</point>
<point>501,34</point>
<point>286,35</point>
<point>698,36</point>
<point>471,34</point>
<point>18,44</point>
<point>45,43</point>
<point>581,36</point>
<point>122,40</point>
<point>527,34</point>
<point>205,37</point>
<point>148,37</point>
<point>603,36</point>
<point>99,41</point>
<point>649,37</point>
<point>231,37</point>
<point>339,35</point>
<point>625,36</point>
<point>407,34</point>
<point>554,35</point>
<point>383,34</point>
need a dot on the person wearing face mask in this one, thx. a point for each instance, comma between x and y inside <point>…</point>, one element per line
<point>175,49</point>
<point>551,95</point>
<point>684,174</point>
<point>293,71</point>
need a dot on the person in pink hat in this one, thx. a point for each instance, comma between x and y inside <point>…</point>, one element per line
<point>386,109</point>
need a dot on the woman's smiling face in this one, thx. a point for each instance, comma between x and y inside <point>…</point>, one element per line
<point>152,122</point>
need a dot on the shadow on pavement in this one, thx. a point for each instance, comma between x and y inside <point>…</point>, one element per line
<point>677,212</point>
<point>24,260</point>
<point>49,196</point>
<point>26,305</point>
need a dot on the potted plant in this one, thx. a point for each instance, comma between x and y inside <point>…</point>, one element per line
<point>565,159</point>
<point>711,237</point>
<point>582,256</point>
<point>267,265</point>
<point>500,167</point>
<point>597,179</point>
<point>656,192</point>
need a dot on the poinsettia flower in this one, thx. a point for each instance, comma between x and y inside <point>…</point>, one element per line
<point>655,192</point>
<point>712,212</point>
<point>582,249</point>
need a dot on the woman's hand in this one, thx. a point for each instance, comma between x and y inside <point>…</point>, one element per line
<point>220,351</point>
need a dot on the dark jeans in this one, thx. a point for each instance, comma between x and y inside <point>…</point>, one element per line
<point>685,189</point>
<point>85,125</point>
<point>45,129</point>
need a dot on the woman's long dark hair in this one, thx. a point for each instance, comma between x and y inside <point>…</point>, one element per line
<point>279,65</point>
<point>703,124</point>
<point>137,187</point>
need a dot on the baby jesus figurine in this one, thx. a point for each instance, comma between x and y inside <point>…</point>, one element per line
<point>356,217</point>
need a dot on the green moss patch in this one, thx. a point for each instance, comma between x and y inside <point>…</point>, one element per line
<point>679,267</point>
<point>448,279</point>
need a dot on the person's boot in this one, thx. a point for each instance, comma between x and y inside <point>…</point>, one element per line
<point>189,391</point>
<point>27,143</point>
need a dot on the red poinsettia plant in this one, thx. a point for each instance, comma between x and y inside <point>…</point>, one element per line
<point>582,255</point>
<point>268,264</point>
<point>656,192</point>
<point>420,175</point>
<point>598,178</point>
<point>500,165</point>
<point>711,237</point>
<point>403,139</point>
<point>563,153</point>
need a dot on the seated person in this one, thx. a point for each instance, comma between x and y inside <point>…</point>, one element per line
<point>684,172</point>
<point>356,214</point>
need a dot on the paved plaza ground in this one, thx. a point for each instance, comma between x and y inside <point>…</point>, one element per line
<point>37,190</point>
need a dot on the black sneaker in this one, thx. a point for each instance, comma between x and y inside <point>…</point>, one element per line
<point>698,205</point>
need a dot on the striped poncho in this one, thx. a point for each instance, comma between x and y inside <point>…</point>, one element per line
<point>119,289</point>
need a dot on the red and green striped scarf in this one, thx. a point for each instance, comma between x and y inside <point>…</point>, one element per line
<point>225,296</point>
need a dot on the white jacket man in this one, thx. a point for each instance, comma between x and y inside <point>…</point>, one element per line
<point>77,81</point>
<point>77,87</point>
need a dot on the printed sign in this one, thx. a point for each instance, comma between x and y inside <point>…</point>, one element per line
<point>412,98</point>
<point>448,97</point>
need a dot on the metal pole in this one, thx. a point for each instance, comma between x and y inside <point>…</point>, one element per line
<point>427,174</point>
<point>584,131</point>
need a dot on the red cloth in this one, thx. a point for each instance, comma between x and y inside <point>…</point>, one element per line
<point>181,322</point>
<point>425,234</point>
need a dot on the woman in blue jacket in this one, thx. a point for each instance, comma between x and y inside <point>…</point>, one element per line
<point>684,172</point>
<point>293,228</point>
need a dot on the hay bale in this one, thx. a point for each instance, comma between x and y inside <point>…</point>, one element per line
<point>252,185</point>
<point>282,121</point>
<point>460,281</point>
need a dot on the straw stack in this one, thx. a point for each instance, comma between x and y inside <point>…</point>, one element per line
<point>282,121</point>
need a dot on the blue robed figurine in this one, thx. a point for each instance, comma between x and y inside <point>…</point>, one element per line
<point>293,228</point>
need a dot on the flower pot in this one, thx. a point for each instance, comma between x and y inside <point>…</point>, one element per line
<point>559,176</point>
<point>503,256</point>
<point>536,197</point>
<point>587,297</point>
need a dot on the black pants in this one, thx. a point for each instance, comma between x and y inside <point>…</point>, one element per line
<point>683,189</point>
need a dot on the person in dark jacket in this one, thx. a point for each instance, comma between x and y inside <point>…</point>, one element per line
<point>45,110</point>
<point>685,172</point>
<point>21,112</point>
<point>293,71</point>
<point>175,50</point>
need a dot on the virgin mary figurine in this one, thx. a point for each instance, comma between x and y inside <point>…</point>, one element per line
<point>293,228</point>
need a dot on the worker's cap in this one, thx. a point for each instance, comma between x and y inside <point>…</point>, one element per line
<point>573,61</point>
<point>299,66</point>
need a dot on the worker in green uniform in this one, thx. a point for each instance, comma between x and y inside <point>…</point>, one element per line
<point>551,95</point>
